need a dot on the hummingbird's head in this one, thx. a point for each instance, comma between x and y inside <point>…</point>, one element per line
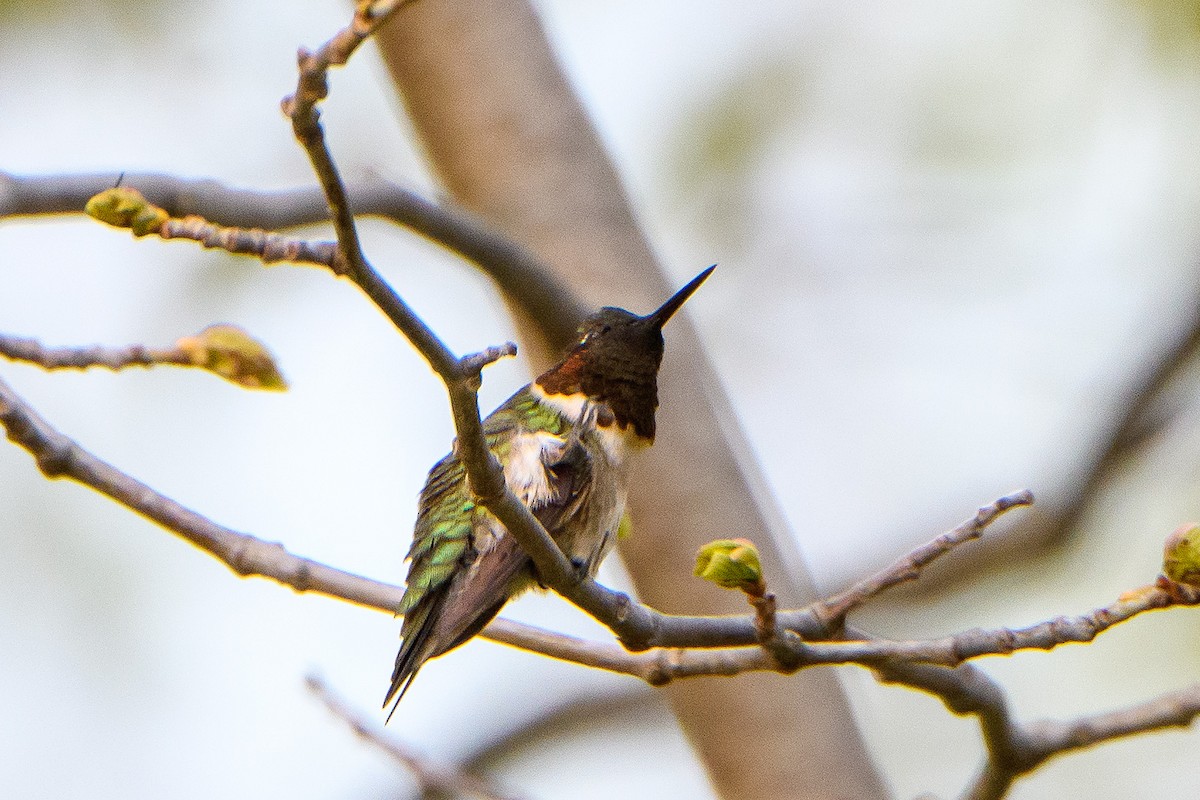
<point>616,360</point>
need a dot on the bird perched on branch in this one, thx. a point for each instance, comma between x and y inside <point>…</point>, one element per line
<point>564,442</point>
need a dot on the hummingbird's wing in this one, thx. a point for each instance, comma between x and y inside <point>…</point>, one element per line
<point>465,566</point>
<point>441,543</point>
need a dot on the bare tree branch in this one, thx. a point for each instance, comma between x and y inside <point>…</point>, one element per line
<point>127,207</point>
<point>663,664</point>
<point>1013,749</point>
<point>431,777</point>
<point>301,108</point>
<point>526,282</point>
<point>461,376</point>
<point>1036,742</point>
<point>57,456</point>
<point>720,647</point>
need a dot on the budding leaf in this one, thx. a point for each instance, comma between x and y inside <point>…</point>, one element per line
<point>1181,555</point>
<point>730,564</point>
<point>127,208</point>
<point>233,354</point>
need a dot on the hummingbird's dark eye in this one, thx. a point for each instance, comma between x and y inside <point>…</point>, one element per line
<point>606,329</point>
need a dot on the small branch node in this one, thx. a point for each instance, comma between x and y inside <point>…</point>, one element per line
<point>766,627</point>
<point>302,579</point>
<point>55,456</point>
<point>238,558</point>
<point>1178,593</point>
<point>624,606</point>
<point>663,666</point>
<point>471,366</point>
<point>833,610</point>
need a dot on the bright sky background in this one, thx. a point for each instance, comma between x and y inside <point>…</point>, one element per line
<point>949,234</point>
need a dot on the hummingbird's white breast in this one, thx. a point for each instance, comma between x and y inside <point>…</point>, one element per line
<point>589,531</point>
<point>525,470</point>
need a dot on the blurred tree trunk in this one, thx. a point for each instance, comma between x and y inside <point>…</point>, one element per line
<point>508,139</point>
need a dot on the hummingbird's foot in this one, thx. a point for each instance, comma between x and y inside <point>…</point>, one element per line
<point>581,568</point>
<point>578,566</point>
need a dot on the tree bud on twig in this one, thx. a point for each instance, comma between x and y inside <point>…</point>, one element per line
<point>731,564</point>
<point>230,352</point>
<point>1181,555</point>
<point>127,208</point>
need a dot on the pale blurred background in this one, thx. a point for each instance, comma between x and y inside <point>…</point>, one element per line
<point>951,236</point>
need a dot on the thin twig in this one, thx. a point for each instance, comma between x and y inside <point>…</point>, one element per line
<point>833,611</point>
<point>129,208</point>
<point>430,776</point>
<point>777,643</point>
<point>624,709</point>
<point>1136,415</point>
<point>301,108</point>
<point>224,350</point>
<point>1036,742</point>
<point>1174,709</point>
<point>58,456</point>
<point>268,247</point>
<point>114,358</point>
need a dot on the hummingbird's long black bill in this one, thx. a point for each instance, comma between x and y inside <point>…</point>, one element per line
<point>664,312</point>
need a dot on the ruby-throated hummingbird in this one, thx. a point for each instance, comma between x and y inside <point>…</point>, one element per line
<point>563,441</point>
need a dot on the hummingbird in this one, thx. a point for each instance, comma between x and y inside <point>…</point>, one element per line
<point>564,442</point>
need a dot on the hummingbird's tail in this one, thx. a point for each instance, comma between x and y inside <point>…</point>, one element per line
<point>458,610</point>
<point>413,653</point>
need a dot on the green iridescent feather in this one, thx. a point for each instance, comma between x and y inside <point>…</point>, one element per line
<point>442,539</point>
